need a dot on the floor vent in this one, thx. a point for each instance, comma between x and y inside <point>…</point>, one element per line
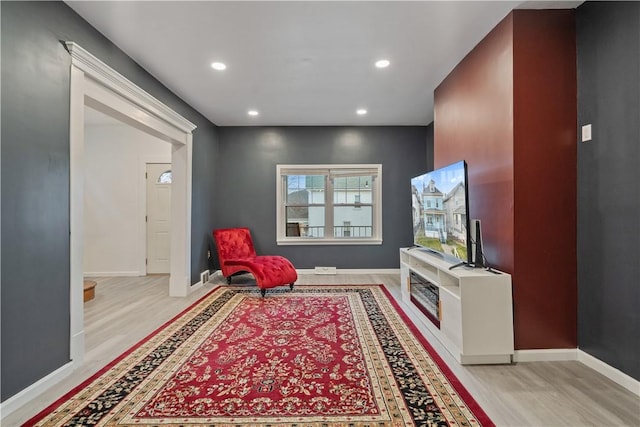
<point>204,276</point>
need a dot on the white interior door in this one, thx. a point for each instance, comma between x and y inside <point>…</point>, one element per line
<point>158,217</point>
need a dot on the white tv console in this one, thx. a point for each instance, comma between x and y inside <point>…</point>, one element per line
<point>469,310</point>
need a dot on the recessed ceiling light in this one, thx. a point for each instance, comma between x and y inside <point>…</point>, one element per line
<point>218,66</point>
<point>252,112</point>
<point>361,111</point>
<point>383,63</point>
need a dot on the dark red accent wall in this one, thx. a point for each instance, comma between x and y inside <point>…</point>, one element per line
<point>509,110</point>
<point>473,119</point>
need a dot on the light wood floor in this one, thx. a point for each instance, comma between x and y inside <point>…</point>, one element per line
<point>126,310</point>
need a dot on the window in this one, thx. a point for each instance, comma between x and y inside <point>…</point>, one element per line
<point>329,204</point>
<point>164,178</point>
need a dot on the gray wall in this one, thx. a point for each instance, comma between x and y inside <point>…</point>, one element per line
<point>247,173</point>
<point>608,40</point>
<point>35,181</point>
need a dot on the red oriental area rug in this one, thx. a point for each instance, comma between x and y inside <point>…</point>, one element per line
<point>315,356</point>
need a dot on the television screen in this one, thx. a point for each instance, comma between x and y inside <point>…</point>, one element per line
<point>440,210</point>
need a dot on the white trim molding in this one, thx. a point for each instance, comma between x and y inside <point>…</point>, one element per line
<point>330,172</point>
<point>217,274</point>
<point>95,84</point>
<point>353,271</point>
<point>25,396</point>
<point>320,242</point>
<point>575,354</point>
<point>545,355</point>
<point>113,273</point>
<point>610,372</point>
<point>116,82</point>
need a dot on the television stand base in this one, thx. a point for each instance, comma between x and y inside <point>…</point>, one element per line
<point>460,264</point>
<point>466,264</point>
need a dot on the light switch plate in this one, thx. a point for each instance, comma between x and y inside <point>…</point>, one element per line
<point>586,133</point>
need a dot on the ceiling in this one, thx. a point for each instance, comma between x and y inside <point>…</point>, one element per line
<point>301,62</point>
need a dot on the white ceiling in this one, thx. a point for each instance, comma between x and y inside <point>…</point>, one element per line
<point>301,62</point>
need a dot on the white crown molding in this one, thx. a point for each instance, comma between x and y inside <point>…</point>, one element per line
<point>110,78</point>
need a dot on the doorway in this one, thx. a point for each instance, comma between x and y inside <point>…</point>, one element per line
<point>95,84</point>
<point>115,204</point>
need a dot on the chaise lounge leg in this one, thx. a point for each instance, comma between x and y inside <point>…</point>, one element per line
<point>263,292</point>
<point>229,280</point>
<point>291,286</point>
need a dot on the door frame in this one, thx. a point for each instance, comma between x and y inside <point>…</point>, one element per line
<point>95,84</point>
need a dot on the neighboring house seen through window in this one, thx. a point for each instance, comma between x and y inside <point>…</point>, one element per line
<point>329,204</point>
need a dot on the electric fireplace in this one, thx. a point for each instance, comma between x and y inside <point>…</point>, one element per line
<point>425,295</point>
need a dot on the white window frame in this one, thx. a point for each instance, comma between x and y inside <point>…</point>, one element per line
<point>376,235</point>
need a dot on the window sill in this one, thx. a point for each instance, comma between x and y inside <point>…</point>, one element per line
<point>310,241</point>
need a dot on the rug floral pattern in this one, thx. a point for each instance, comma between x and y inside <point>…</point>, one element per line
<point>315,356</point>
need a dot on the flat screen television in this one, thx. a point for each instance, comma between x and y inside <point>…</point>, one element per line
<point>440,211</point>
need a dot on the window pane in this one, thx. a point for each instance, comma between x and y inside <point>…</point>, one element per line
<point>165,178</point>
<point>310,220</point>
<point>316,222</point>
<point>297,215</point>
<point>305,189</point>
<point>351,221</point>
<point>352,189</point>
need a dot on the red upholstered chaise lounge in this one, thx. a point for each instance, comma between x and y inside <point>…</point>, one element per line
<point>237,255</point>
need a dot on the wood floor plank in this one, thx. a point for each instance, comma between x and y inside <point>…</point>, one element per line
<point>125,310</point>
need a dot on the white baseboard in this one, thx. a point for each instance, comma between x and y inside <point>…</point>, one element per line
<point>546,355</point>
<point>353,271</point>
<point>76,347</point>
<point>218,273</point>
<point>610,372</point>
<point>34,390</point>
<point>214,279</point>
<point>196,286</point>
<point>216,276</point>
<point>113,274</point>
<point>561,354</point>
